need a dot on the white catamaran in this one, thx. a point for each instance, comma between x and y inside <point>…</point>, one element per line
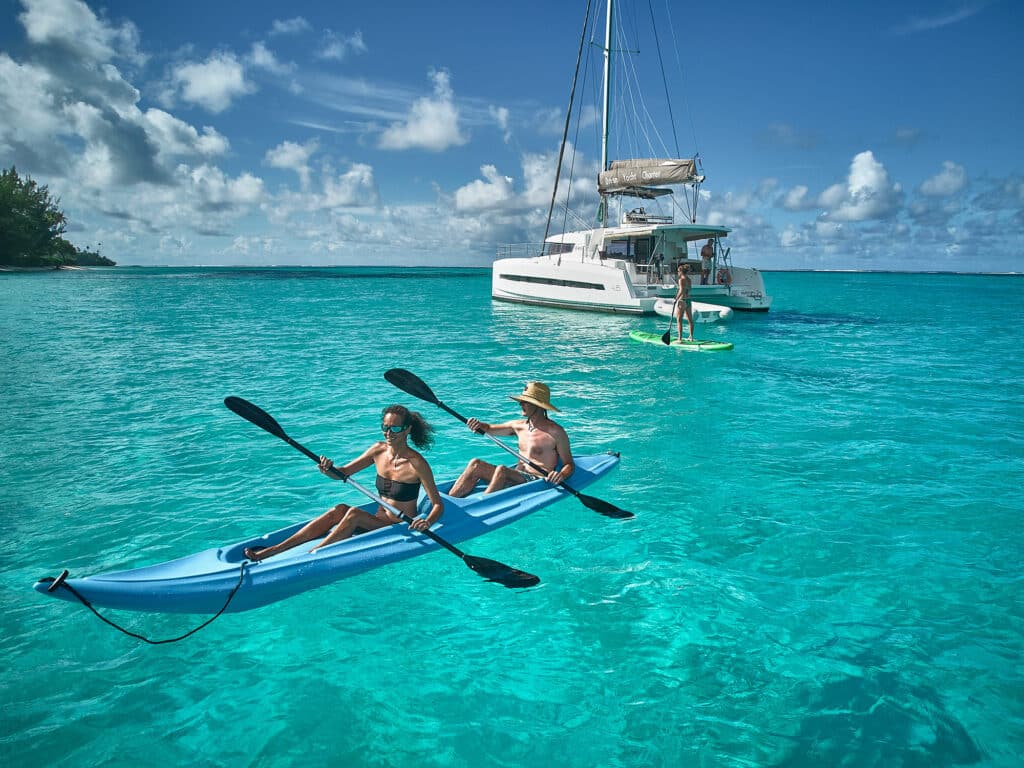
<point>626,264</point>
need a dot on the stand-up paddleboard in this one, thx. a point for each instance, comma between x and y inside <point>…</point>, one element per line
<point>697,345</point>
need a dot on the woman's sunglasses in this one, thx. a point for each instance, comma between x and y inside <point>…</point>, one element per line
<point>394,429</point>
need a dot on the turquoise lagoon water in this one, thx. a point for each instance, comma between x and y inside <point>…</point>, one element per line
<point>824,568</point>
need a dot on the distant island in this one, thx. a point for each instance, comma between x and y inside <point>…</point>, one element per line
<point>32,227</point>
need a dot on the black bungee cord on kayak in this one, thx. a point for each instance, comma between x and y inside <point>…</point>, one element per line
<point>60,581</point>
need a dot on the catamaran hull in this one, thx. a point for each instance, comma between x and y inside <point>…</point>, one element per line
<point>201,583</point>
<point>745,293</point>
<point>550,282</point>
<point>563,304</point>
<point>575,281</point>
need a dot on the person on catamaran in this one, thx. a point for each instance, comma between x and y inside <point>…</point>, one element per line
<point>400,473</point>
<point>541,440</point>
<point>683,301</point>
<point>707,254</point>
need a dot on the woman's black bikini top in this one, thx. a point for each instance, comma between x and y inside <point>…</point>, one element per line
<point>396,490</point>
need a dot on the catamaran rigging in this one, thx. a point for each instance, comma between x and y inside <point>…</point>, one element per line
<point>622,264</point>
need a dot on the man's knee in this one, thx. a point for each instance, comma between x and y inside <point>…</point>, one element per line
<point>502,474</point>
<point>476,468</point>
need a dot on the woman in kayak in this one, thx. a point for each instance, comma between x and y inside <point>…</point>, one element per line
<point>400,473</point>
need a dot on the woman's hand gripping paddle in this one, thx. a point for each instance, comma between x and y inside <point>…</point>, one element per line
<point>412,384</point>
<point>489,569</point>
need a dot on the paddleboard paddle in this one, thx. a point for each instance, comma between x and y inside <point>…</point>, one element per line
<point>666,337</point>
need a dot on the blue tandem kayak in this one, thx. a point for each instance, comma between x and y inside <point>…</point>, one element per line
<point>201,583</point>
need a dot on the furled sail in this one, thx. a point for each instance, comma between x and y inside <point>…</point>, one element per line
<point>627,176</point>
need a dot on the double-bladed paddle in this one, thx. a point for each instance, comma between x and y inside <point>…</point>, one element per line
<point>412,384</point>
<point>491,570</point>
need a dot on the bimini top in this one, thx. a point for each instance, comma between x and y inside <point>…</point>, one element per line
<point>681,231</point>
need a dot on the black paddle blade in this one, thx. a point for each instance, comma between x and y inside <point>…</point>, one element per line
<point>410,383</point>
<point>500,573</point>
<point>603,507</point>
<point>666,338</point>
<point>255,414</point>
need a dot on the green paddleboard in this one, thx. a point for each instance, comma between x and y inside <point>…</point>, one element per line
<point>697,345</point>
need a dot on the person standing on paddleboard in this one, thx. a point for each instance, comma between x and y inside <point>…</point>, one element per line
<point>683,301</point>
<point>541,440</point>
<point>400,473</point>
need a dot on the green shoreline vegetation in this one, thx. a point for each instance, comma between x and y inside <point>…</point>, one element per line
<point>31,229</point>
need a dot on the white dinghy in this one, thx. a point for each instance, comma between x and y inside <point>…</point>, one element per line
<point>702,313</point>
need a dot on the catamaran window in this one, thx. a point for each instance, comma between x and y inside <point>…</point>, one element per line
<point>617,248</point>
<point>548,281</point>
<point>642,248</point>
<point>552,249</point>
<point>635,248</point>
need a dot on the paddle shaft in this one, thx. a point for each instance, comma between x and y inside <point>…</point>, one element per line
<point>346,479</point>
<point>398,513</point>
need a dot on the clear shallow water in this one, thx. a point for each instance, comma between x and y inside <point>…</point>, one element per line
<point>824,568</point>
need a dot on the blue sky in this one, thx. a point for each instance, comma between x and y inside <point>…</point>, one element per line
<point>866,135</point>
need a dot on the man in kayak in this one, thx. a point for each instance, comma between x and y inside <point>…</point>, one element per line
<point>400,473</point>
<point>541,440</point>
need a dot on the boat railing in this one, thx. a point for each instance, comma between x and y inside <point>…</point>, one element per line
<point>652,273</point>
<point>640,216</point>
<point>526,250</point>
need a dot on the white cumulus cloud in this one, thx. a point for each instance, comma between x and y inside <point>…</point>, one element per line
<point>290,26</point>
<point>335,48</point>
<point>539,177</point>
<point>866,193</point>
<point>213,189</point>
<point>71,25</point>
<point>356,187</point>
<point>176,137</point>
<point>294,157</point>
<point>432,122</point>
<point>950,180</point>
<point>214,83</point>
<point>26,96</point>
<point>791,237</point>
<point>500,115</point>
<point>797,199</point>
<point>262,57</point>
<point>492,191</point>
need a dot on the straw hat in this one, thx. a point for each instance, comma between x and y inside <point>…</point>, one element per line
<point>537,394</point>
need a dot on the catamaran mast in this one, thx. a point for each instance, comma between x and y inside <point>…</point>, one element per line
<point>607,88</point>
<point>603,209</point>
